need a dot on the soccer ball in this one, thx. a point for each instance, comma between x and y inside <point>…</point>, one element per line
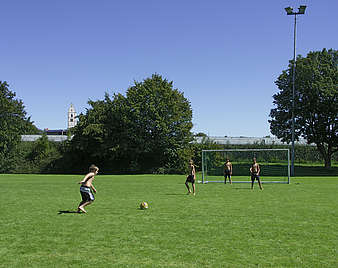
<point>144,205</point>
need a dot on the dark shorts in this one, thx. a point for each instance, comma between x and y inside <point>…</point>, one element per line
<point>254,177</point>
<point>86,194</point>
<point>227,174</point>
<point>191,179</point>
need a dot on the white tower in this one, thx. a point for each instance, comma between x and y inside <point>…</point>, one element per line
<point>71,117</point>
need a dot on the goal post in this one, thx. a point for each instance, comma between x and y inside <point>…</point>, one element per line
<point>274,165</point>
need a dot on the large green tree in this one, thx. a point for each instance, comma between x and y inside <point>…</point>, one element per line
<point>147,129</point>
<point>316,102</point>
<point>13,123</point>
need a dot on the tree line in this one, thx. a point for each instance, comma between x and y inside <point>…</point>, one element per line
<point>149,129</point>
<point>43,156</point>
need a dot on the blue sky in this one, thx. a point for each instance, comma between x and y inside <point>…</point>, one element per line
<point>224,55</point>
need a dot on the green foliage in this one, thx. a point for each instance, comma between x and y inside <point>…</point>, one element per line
<point>41,149</point>
<point>145,130</point>
<point>40,156</point>
<point>14,123</point>
<point>201,134</point>
<point>316,102</point>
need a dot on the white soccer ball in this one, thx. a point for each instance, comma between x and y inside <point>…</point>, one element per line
<point>144,205</point>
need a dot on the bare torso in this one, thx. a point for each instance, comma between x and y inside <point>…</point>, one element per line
<point>88,181</point>
<point>255,168</point>
<point>192,170</point>
<point>227,166</point>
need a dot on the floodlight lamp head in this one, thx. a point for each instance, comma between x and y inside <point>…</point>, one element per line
<point>301,9</point>
<point>289,11</point>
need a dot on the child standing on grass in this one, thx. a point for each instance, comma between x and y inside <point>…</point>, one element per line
<point>227,171</point>
<point>191,177</point>
<point>86,189</point>
<point>255,170</point>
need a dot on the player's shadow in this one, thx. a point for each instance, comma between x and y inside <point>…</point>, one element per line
<point>68,212</point>
<point>175,194</point>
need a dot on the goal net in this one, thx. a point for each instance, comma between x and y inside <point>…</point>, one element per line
<point>274,165</point>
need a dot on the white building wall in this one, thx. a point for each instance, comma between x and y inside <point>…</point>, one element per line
<point>57,138</point>
<point>247,140</point>
<point>218,140</point>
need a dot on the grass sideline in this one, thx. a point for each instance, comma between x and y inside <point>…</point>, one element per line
<point>222,226</point>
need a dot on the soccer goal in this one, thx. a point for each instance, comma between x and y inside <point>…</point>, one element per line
<point>274,165</point>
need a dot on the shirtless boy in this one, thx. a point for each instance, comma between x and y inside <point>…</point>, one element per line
<point>86,189</point>
<point>254,171</point>
<point>191,177</point>
<point>227,171</point>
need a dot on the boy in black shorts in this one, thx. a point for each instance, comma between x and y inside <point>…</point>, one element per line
<point>254,171</point>
<point>86,189</point>
<point>227,171</point>
<point>191,178</point>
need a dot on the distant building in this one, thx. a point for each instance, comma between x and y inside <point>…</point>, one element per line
<point>56,134</point>
<point>72,120</point>
<point>51,132</point>
<point>246,140</point>
<point>61,135</point>
<point>57,138</point>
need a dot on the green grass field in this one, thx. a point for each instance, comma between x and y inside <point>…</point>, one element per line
<point>292,225</point>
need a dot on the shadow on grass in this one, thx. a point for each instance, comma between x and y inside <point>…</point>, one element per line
<point>175,194</point>
<point>68,212</point>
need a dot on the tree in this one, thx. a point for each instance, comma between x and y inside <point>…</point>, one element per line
<point>149,128</point>
<point>316,102</point>
<point>13,122</point>
<point>160,117</point>
<point>89,136</point>
<point>201,134</point>
<point>41,149</point>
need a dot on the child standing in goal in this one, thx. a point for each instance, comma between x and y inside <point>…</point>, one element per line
<point>191,178</point>
<point>254,171</point>
<point>227,171</point>
<point>86,189</point>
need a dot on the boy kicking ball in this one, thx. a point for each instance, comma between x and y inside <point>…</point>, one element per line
<point>86,189</point>
<point>191,178</point>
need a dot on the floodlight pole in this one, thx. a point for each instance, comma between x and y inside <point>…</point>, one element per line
<point>290,12</point>
<point>293,101</point>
